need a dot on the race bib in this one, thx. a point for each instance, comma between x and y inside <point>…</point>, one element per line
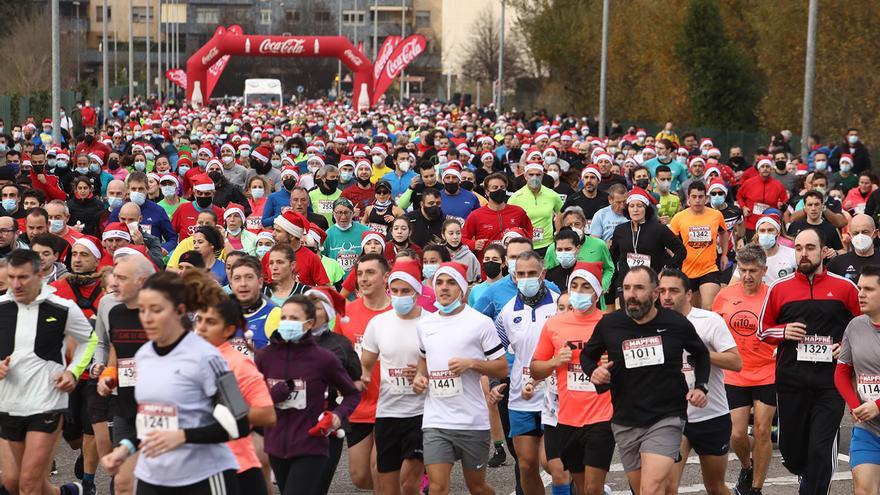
<point>240,345</point>
<point>346,260</point>
<point>155,417</point>
<point>127,372</point>
<point>636,259</point>
<point>296,399</point>
<point>699,235</point>
<point>378,227</point>
<point>358,344</point>
<point>444,383</point>
<point>759,208</point>
<point>815,349</point>
<point>254,223</point>
<point>578,381</point>
<point>688,371</point>
<point>563,197</point>
<point>552,384</point>
<point>396,381</point>
<point>537,234</point>
<point>325,205</point>
<point>646,351</point>
<point>869,387</point>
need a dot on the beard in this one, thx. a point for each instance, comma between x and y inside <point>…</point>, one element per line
<point>640,308</point>
<point>807,267</point>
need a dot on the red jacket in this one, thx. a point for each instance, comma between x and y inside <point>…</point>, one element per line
<point>50,188</point>
<point>96,147</point>
<point>758,194</point>
<point>486,223</point>
<point>89,295</point>
<point>309,269</point>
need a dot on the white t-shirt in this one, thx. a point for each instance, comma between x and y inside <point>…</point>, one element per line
<point>521,325</point>
<point>456,402</point>
<point>396,341</point>
<point>781,264</point>
<point>715,334</point>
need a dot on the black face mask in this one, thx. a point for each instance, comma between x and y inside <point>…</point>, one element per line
<point>289,184</point>
<point>492,268</point>
<point>113,164</point>
<point>329,186</point>
<point>204,201</point>
<point>39,169</point>
<point>737,161</point>
<point>451,187</point>
<point>432,211</point>
<point>780,165</point>
<point>89,139</point>
<point>467,185</point>
<point>498,196</point>
<point>364,182</point>
<point>215,176</point>
<point>643,183</point>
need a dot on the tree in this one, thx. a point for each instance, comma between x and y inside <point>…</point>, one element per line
<point>480,56</point>
<point>27,61</point>
<point>723,90</point>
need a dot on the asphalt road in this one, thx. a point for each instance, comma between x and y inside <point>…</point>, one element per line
<point>779,481</point>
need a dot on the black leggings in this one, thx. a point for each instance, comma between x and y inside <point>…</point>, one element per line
<point>301,471</point>
<point>224,483</point>
<point>251,481</point>
<point>336,445</point>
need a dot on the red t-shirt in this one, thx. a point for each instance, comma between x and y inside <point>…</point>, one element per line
<point>185,217</point>
<point>358,316</point>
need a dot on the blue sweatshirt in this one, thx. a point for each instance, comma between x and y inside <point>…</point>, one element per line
<point>274,203</point>
<point>156,218</point>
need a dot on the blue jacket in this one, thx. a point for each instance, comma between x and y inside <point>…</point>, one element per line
<point>274,203</point>
<point>160,226</point>
<point>399,185</point>
<point>493,299</point>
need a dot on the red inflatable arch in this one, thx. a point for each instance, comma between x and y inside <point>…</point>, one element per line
<point>233,42</point>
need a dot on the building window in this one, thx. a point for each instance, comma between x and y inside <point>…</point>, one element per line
<point>266,17</point>
<point>322,16</point>
<point>423,18</point>
<point>292,15</point>
<point>207,15</point>
<point>354,17</point>
<point>139,14</point>
<point>99,13</point>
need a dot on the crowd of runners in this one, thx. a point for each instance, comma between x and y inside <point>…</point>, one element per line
<point>221,300</point>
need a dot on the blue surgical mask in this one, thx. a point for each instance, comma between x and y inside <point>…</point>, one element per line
<point>566,258</point>
<point>402,304</point>
<point>233,233</point>
<point>845,167</point>
<point>821,165</point>
<point>528,286</point>
<point>534,182</point>
<point>182,170</point>
<point>262,250</point>
<point>580,302</point>
<point>320,330</point>
<point>716,201</point>
<point>137,197</point>
<point>202,163</point>
<point>56,226</point>
<point>150,156</point>
<point>291,330</point>
<point>82,170</point>
<point>94,168</point>
<point>429,270</point>
<point>60,163</point>
<point>9,204</point>
<point>511,266</point>
<point>114,203</point>
<point>169,191</point>
<point>345,228</point>
<point>140,166</point>
<point>257,192</point>
<point>766,241</point>
<point>447,309</point>
<point>346,176</point>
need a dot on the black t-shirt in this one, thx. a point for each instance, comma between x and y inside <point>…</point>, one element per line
<point>609,181</point>
<point>850,265</point>
<point>559,276</point>
<point>127,336</point>
<point>564,190</point>
<point>832,237</point>
<point>589,205</point>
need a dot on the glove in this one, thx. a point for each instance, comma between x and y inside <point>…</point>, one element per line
<point>324,427</point>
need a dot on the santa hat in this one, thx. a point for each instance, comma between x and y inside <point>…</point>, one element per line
<point>116,230</point>
<point>641,132</point>
<point>710,170</point>
<point>714,152</point>
<point>591,170</point>
<point>232,209</point>
<point>316,235</point>
<point>456,270</point>
<point>589,271</point>
<point>372,236</point>
<point>203,183</point>
<point>534,154</point>
<point>379,149</point>
<point>764,160</point>
<point>317,158</point>
<point>97,158</point>
<point>770,219</point>
<point>363,164</point>
<point>289,172</point>
<point>292,222</point>
<point>265,235</point>
<point>407,271</point>
<point>640,195</point>
<point>846,157</point>
<point>214,163</point>
<point>91,244</point>
<point>513,233</point>
<point>332,301</point>
<point>262,153</point>
<point>603,156</point>
<point>346,160</point>
<point>454,169</point>
<point>206,149</point>
<point>706,142</point>
<point>695,159</point>
<point>487,153</point>
<point>717,183</point>
<point>228,146</point>
<point>801,169</point>
<point>169,178</point>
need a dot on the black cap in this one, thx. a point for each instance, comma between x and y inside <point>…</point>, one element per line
<point>194,258</point>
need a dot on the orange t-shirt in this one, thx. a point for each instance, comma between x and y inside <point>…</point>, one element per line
<point>256,394</point>
<point>742,313</point>
<point>579,404</point>
<point>698,233</point>
<point>358,315</point>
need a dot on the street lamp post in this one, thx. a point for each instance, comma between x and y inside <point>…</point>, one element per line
<point>375,29</point>
<point>402,37</point>
<point>603,71</point>
<point>147,82</point>
<point>78,34</point>
<point>105,62</point>
<point>56,73</point>
<point>809,77</point>
<point>159,70</point>
<point>499,95</point>
<point>130,54</point>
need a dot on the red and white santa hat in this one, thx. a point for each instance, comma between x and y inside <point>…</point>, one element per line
<point>603,156</point>
<point>711,170</point>
<point>363,164</point>
<point>487,154</point>
<point>591,170</point>
<point>228,146</point>
<point>116,230</point>
<point>289,171</point>
<point>640,195</point>
<point>91,244</point>
<point>266,235</point>
<point>316,236</point>
<point>332,302</point>
<point>372,236</point>
<point>262,153</point>
<point>769,219</point>
<point>764,160</point>
<point>203,183</point>
<point>513,233</point>
<point>407,271</point>
<point>456,270</point>
<point>453,168</point>
<point>97,158</point>
<point>695,159</point>
<point>292,222</point>
<point>233,209</point>
<point>717,183</point>
<point>591,272</point>
<point>534,165</point>
<point>207,150</point>
<point>846,157</point>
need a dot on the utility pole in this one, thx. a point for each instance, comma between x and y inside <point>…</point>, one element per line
<point>159,70</point>
<point>809,77</point>
<point>105,61</point>
<point>499,95</point>
<point>339,62</point>
<point>78,35</point>
<point>147,82</point>
<point>130,54</point>
<point>402,37</point>
<point>375,29</point>
<point>603,74</point>
<point>56,73</point>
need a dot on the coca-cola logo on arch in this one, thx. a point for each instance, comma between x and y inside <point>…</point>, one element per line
<point>353,58</point>
<point>210,55</point>
<point>411,49</point>
<point>289,46</point>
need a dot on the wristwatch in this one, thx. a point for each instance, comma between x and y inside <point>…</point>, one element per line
<point>703,387</point>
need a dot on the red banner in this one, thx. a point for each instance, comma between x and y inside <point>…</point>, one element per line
<point>383,55</point>
<point>402,56</point>
<point>176,76</point>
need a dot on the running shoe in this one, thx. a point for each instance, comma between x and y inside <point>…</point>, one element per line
<point>744,483</point>
<point>499,457</point>
<point>71,489</point>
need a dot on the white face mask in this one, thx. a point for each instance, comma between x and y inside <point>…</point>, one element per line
<point>228,159</point>
<point>862,242</point>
